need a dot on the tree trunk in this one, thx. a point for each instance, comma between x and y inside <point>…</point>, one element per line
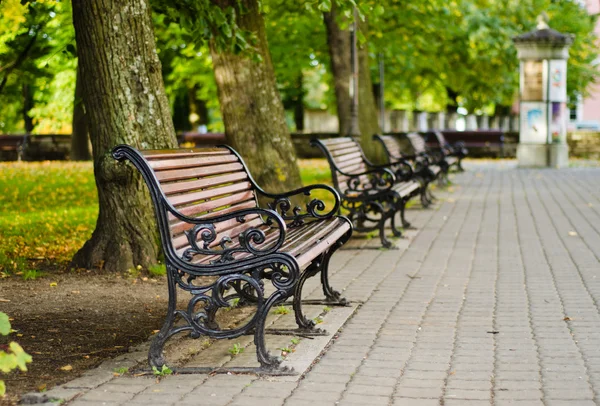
<point>126,104</point>
<point>340,52</point>
<point>367,105</point>
<point>338,41</point>
<point>81,147</point>
<point>251,106</point>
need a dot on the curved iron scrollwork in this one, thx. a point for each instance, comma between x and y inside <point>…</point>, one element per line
<point>403,170</point>
<point>379,180</point>
<point>202,237</point>
<point>315,208</point>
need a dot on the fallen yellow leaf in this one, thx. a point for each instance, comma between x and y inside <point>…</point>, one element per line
<point>66,368</point>
<point>53,284</point>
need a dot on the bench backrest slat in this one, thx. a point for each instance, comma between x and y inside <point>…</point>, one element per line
<point>441,139</point>
<point>392,146</point>
<point>348,157</point>
<point>417,142</point>
<point>203,183</point>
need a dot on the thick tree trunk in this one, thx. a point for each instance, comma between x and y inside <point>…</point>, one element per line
<point>126,104</point>
<point>340,52</point>
<point>367,105</point>
<point>338,41</point>
<point>251,106</point>
<point>81,146</point>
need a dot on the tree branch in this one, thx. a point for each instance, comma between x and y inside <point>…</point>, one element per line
<point>20,59</point>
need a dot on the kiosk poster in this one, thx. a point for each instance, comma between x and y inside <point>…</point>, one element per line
<point>532,88</point>
<point>534,123</point>
<point>558,122</point>
<point>558,81</point>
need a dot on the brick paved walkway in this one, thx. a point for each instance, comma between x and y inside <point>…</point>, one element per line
<point>495,301</point>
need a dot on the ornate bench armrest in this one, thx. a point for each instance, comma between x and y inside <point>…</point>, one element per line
<point>253,241</point>
<point>379,180</point>
<point>401,168</point>
<point>315,208</point>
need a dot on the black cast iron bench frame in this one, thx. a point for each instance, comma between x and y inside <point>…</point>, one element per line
<point>372,194</point>
<point>422,165</point>
<point>238,266</point>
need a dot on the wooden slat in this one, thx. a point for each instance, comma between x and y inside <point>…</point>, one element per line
<point>181,174</point>
<point>231,228</point>
<point>210,194</point>
<point>333,141</point>
<point>151,155</point>
<point>357,168</point>
<point>341,146</point>
<point>178,227</point>
<point>179,163</point>
<point>213,204</point>
<point>187,186</point>
<point>350,162</point>
<point>307,256</point>
<point>313,233</point>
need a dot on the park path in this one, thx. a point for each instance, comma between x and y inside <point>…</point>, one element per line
<point>494,302</point>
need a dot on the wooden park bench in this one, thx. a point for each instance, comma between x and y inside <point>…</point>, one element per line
<point>372,194</point>
<point>453,153</point>
<point>219,245</point>
<point>435,158</point>
<point>425,172</point>
<point>11,147</point>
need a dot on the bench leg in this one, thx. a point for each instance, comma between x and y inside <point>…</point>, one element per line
<point>425,200</point>
<point>155,354</point>
<point>397,233</point>
<point>267,361</point>
<point>301,320</point>
<point>405,223</point>
<point>332,295</point>
<point>384,241</point>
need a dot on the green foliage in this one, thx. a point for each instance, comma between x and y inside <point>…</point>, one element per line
<point>4,324</point>
<point>12,356</point>
<point>460,52</point>
<point>31,274</point>
<point>123,370</point>
<point>157,270</point>
<point>295,340</point>
<point>236,349</point>
<point>47,211</point>
<point>37,53</point>
<point>163,371</point>
<point>281,309</point>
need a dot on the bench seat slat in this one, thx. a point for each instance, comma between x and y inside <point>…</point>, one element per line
<point>305,242</point>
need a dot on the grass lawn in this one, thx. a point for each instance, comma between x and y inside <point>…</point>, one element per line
<point>49,209</point>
